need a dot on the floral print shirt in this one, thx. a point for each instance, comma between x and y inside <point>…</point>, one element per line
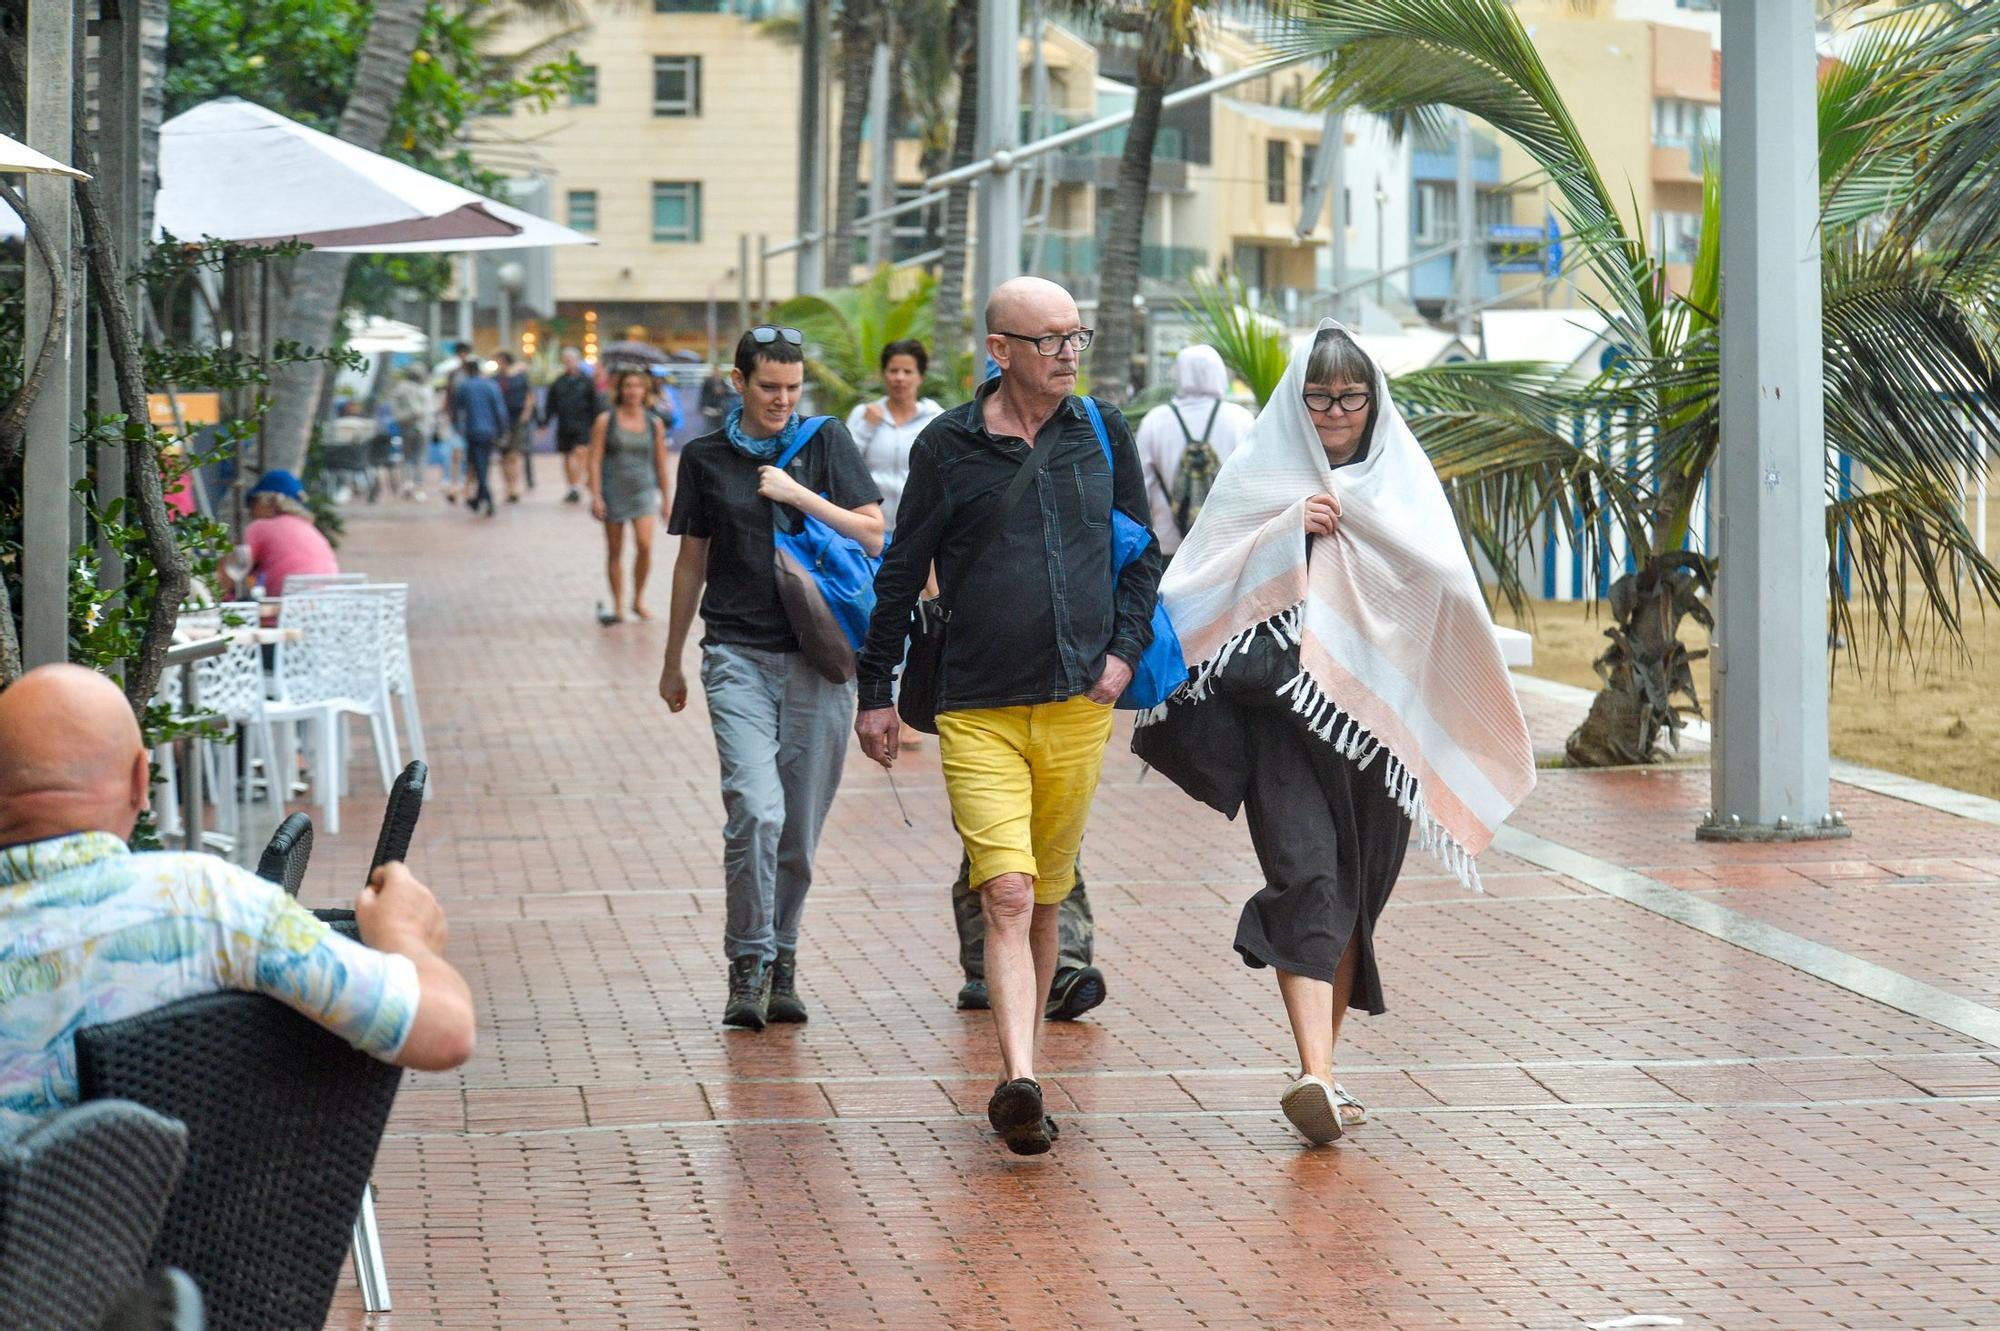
<point>91,932</point>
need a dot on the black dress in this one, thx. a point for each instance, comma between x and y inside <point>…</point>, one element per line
<point>1329,836</point>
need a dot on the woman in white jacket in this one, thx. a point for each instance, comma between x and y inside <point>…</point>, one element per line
<point>885,428</point>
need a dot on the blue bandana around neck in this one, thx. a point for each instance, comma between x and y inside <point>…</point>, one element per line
<point>764,450</point>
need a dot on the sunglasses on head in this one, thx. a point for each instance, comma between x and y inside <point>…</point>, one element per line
<point>765,334</point>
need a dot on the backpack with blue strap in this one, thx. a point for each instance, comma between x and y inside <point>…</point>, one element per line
<point>1162,668</point>
<point>826,582</point>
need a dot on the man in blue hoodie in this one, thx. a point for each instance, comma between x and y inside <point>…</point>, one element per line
<point>481,416</point>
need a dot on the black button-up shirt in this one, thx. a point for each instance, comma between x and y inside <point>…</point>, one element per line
<point>1035,616</point>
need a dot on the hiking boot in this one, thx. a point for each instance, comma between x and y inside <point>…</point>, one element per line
<point>749,994</point>
<point>972,996</point>
<point>785,1004</point>
<point>1015,1111</point>
<point>1073,992</point>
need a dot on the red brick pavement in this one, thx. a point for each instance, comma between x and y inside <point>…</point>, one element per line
<point>1581,1109</point>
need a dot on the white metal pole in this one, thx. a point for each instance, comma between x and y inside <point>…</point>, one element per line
<point>1769,764</point>
<point>1334,143</point>
<point>1464,290</point>
<point>997,249</point>
<point>45,464</point>
<point>812,56</point>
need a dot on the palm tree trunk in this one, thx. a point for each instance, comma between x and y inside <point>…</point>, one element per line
<point>860,21</point>
<point>949,312</point>
<point>310,315</point>
<point>1111,355</point>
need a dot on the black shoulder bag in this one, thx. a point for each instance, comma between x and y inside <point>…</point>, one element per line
<point>930,618</point>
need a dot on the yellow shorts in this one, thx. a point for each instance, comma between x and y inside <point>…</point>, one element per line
<point>1021,780</point>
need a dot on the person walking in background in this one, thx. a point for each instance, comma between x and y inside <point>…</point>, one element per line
<point>571,403</point>
<point>666,405</point>
<point>627,471</point>
<point>1043,640</point>
<point>885,428</point>
<point>480,414</point>
<point>415,409</point>
<point>449,455</point>
<point>1332,618</point>
<point>1183,444</point>
<point>780,725</point>
<point>718,398</point>
<point>519,396</point>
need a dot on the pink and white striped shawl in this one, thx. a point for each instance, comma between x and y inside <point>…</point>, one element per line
<point>1396,645</point>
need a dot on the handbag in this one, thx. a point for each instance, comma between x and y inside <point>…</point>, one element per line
<point>1162,667</point>
<point>826,582</point>
<point>930,618</point>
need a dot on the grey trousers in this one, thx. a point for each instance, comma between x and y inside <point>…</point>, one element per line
<point>781,734</point>
<point>1075,930</point>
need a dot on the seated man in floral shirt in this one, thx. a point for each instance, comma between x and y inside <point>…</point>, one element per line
<point>91,932</point>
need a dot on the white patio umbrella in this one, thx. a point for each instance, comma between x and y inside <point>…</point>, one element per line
<point>382,335</point>
<point>233,170</point>
<point>535,233</point>
<point>18,156</point>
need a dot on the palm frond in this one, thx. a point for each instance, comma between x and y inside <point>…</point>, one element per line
<point>1252,345</point>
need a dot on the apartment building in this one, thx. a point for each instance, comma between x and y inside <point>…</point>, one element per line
<point>681,138</point>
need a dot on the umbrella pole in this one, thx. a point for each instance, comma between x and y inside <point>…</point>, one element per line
<point>232,286</point>
<point>263,347</point>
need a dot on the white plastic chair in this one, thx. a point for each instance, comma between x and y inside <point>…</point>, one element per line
<point>397,681</point>
<point>332,672</point>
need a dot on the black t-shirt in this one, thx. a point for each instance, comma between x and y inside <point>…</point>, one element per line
<point>715,499</point>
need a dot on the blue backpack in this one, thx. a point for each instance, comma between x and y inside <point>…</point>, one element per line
<point>826,582</point>
<point>1163,668</point>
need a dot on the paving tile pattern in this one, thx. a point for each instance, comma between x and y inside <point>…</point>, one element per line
<point>1580,1110</point>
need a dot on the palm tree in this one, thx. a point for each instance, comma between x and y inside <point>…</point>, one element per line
<point>1908,319</point>
<point>952,331</point>
<point>1167,31</point>
<point>858,27</point>
<point>847,328</point>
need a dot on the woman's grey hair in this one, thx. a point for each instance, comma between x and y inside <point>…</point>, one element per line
<point>1335,356</point>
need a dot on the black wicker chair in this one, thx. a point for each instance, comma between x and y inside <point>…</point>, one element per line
<point>81,1196</point>
<point>283,1121</point>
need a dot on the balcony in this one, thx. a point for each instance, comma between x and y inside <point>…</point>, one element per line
<point>1679,162</point>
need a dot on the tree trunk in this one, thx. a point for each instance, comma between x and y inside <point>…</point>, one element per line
<point>948,315</point>
<point>859,24</point>
<point>142,459</point>
<point>1118,274</point>
<point>311,314</point>
<point>1646,667</point>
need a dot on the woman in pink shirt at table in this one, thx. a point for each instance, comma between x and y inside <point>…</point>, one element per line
<point>281,540</point>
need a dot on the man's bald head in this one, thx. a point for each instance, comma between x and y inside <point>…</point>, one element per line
<point>71,759</point>
<point>1024,308</point>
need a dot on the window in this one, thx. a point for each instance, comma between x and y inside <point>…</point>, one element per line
<point>677,212</point>
<point>676,85</point>
<point>1277,155</point>
<point>1683,124</point>
<point>1436,213</point>
<point>1676,236</point>
<point>584,91</point>
<point>583,210</point>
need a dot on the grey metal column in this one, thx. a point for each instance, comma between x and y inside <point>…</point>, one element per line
<point>812,167</point>
<point>1769,764</point>
<point>997,251</point>
<point>118,165</point>
<point>45,465</point>
<point>742,284</point>
<point>882,157</point>
<point>1464,292</point>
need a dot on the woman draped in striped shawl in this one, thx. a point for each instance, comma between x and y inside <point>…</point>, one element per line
<point>1345,690</point>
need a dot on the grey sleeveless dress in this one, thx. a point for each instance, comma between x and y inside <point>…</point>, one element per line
<point>631,486</point>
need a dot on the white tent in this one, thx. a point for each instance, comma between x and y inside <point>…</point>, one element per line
<point>1572,339</point>
<point>18,156</point>
<point>375,334</point>
<point>232,170</point>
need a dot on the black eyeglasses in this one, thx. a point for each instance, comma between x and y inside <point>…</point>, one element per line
<point>765,334</point>
<point>1051,343</point>
<point>1354,400</point>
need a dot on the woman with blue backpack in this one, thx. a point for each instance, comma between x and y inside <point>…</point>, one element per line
<point>779,526</point>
